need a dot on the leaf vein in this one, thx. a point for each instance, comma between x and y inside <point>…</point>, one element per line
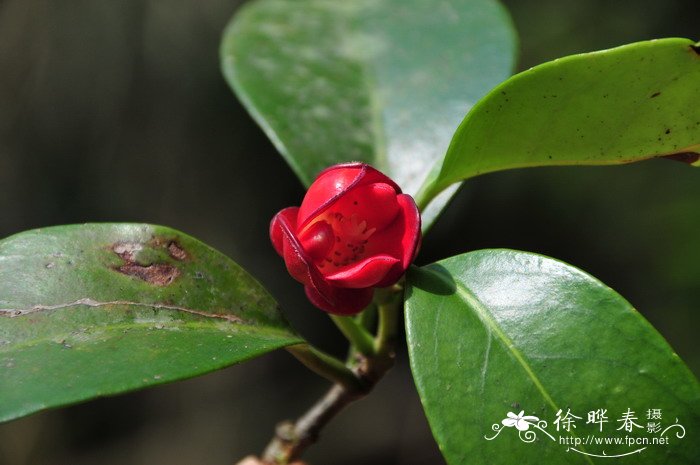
<point>88,302</point>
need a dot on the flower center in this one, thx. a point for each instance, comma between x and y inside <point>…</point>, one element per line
<point>351,236</point>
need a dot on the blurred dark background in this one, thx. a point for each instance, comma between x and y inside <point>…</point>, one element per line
<point>116,111</point>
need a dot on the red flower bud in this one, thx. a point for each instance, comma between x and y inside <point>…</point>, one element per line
<point>354,231</point>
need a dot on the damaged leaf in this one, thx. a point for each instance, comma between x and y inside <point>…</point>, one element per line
<point>614,106</point>
<point>99,309</point>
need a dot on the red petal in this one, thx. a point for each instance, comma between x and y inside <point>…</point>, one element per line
<point>297,261</point>
<point>401,240</point>
<point>366,273</point>
<point>374,203</point>
<point>276,234</point>
<point>318,240</point>
<point>342,301</point>
<point>298,264</point>
<point>332,183</point>
<point>412,229</point>
<point>371,174</point>
<point>326,189</point>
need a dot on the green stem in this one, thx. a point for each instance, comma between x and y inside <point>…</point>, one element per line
<point>326,365</point>
<point>367,318</point>
<point>355,333</point>
<point>388,324</point>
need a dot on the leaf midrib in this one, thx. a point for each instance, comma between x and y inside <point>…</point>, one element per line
<point>92,303</point>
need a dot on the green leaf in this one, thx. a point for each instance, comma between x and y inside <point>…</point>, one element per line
<point>609,107</point>
<point>99,309</point>
<point>383,81</point>
<point>498,331</point>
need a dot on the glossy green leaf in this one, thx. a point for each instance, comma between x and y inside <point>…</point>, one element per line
<point>498,331</point>
<point>609,107</point>
<point>99,309</point>
<point>384,81</point>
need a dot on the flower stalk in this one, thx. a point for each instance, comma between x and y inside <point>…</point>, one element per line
<point>389,306</point>
<point>356,333</point>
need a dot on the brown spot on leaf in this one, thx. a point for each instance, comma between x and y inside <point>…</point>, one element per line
<point>176,251</point>
<point>127,250</point>
<point>684,157</point>
<point>655,94</point>
<point>157,274</point>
